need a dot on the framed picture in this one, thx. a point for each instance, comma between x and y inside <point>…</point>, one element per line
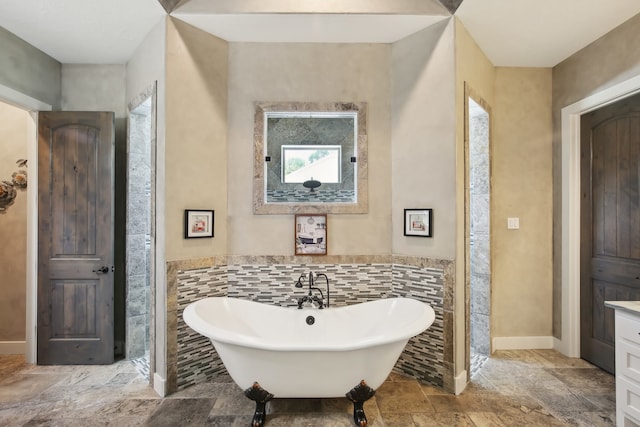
<point>310,233</point>
<point>198,223</point>
<point>418,222</point>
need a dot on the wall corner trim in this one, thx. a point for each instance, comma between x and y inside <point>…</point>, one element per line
<point>460,382</point>
<point>159,385</point>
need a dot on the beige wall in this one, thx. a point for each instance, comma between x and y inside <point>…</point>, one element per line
<point>13,226</point>
<point>522,187</point>
<point>612,59</point>
<point>308,73</point>
<point>423,146</point>
<point>195,138</point>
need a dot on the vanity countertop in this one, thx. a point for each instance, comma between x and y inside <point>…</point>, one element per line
<point>632,307</point>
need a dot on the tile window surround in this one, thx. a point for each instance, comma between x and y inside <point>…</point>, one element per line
<point>353,279</point>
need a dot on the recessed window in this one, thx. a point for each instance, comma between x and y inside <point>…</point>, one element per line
<point>310,157</point>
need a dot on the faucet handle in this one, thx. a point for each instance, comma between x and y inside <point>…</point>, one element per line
<point>300,301</point>
<point>319,301</point>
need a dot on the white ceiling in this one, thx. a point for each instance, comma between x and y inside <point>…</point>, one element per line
<point>540,33</point>
<point>531,33</point>
<point>82,31</point>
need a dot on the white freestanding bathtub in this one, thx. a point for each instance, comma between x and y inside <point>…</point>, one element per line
<point>309,352</point>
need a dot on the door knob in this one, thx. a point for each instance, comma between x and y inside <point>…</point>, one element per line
<point>102,270</point>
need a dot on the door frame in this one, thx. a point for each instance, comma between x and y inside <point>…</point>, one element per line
<point>32,105</point>
<point>569,343</point>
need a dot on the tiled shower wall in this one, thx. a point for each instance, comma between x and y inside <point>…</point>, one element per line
<point>138,236</point>
<point>479,231</point>
<point>272,281</point>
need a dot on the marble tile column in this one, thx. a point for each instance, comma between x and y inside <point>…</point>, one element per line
<point>480,269</point>
<point>138,236</point>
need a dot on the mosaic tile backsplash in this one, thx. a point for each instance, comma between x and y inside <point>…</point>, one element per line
<point>275,284</point>
<point>349,284</point>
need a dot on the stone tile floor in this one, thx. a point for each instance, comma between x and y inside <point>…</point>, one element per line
<point>514,388</point>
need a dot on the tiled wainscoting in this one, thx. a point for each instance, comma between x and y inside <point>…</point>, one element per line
<point>427,357</point>
<point>196,362</point>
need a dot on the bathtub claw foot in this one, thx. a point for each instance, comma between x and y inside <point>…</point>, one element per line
<point>261,397</point>
<point>358,395</point>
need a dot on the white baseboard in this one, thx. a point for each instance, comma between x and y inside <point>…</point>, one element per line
<point>159,384</point>
<point>13,347</point>
<point>522,343</point>
<point>460,382</point>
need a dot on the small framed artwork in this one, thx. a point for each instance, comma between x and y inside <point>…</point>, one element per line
<point>310,233</point>
<point>418,222</point>
<point>198,223</point>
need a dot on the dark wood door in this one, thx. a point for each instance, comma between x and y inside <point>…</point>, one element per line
<point>75,237</point>
<point>610,223</point>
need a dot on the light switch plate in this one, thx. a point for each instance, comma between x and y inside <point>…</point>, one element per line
<point>513,223</point>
